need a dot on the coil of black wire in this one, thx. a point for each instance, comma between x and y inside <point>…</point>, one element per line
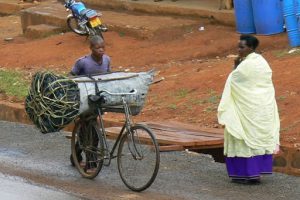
<point>52,102</point>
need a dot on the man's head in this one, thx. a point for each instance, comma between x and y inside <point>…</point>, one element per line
<point>97,46</point>
<point>247,45</point>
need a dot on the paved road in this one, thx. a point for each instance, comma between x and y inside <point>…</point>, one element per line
<point>44,160</point>
<point>16,188</point>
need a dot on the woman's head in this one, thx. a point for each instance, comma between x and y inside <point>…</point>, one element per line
<point>97,46</point>
<point>247,45</point>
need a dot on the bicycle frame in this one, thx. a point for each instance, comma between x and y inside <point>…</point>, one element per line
<point>126,127</point>
<point>129,145</point>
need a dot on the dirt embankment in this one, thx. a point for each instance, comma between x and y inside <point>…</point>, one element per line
<point>194,64</point>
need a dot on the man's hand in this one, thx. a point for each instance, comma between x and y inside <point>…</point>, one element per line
<point>237,61</point>
<point>71,74</point>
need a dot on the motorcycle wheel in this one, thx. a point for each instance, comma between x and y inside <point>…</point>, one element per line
<point>73,25</point>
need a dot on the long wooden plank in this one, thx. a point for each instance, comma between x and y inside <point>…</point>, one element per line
<point>186,136</point>
<point>164,138</point>
<point>183,132</point>
<point>214,132</point>
<point>177,136</point>
<point>173,135</point>
<point>186,127</point>
<point>171,148</point>
<point>113,132</point>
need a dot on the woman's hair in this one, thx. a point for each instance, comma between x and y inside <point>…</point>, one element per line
<point>251,41</point>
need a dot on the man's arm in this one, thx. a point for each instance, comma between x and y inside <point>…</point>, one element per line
<point>76,68</point>
<point>108,67</point>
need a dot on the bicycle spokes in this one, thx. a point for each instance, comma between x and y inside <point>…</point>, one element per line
<point>134,145</point>
<point>87,150</point>
<point>138,158</point>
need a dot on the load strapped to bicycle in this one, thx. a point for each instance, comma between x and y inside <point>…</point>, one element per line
<point>137,150</point>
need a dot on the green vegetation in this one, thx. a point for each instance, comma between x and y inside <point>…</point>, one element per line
<point>210,109</point>
<point>12,83</point>
<point>121,34</point>
<point>281,98</point>
<point>211,101</point>
<point>213,98</point>
<point>198,101</point>
<point>181,93</point>
<point>172,106</point>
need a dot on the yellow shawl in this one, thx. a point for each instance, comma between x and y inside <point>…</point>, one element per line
<point>248,107</point>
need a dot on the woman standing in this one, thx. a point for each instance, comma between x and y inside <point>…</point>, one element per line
<point>248,110</point>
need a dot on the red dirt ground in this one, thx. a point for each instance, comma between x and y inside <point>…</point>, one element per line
<point>194,64</point>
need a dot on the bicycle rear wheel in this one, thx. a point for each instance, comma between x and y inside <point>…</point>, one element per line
<point>87,149</point>
<point>138,158</point>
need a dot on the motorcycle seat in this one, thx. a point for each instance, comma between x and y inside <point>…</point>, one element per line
<point>89,13</point>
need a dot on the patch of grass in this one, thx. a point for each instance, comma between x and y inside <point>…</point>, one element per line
<point>213,98</point>
<point>210,109</point>
<point>198,101</point>
<point>281,98</point>
<point>121,34</point>
<point>13,84</point>
<point>181,93</point>
<point>172,106</point>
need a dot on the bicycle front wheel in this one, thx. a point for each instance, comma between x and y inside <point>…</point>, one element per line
<point>87,149</point>
<point>138,158</point>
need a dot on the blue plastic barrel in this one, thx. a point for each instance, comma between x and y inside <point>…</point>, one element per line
<point>289,13</point>
<point>244,16</point>
<point>297,11</point>
<point>268,18</point>
<point>294,36</point>
<point>291,23</point>
<point>297,7</point>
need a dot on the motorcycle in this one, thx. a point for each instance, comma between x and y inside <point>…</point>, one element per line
<point>84,21</point>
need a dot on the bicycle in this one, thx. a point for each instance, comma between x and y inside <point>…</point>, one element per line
<point>138,154</point>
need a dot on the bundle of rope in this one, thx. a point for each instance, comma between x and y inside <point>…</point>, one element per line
<point>52,102</point>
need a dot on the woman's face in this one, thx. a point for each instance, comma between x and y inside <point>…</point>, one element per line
<point>243,49</point>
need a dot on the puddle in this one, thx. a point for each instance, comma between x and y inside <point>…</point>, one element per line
<point>11,152</point>
<point>16,188</point>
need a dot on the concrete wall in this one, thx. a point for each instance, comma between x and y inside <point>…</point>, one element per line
<point>52,14</point>
<point>288,161</point>
<point>8,8</point>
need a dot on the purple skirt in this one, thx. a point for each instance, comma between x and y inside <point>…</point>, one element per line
<point>249,168</point>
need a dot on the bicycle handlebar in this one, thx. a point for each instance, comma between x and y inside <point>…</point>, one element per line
<point>132,92</point>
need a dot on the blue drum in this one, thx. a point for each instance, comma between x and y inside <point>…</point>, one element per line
<point>268,18</point>
<point>244,16</point>
<point>292,27</point>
